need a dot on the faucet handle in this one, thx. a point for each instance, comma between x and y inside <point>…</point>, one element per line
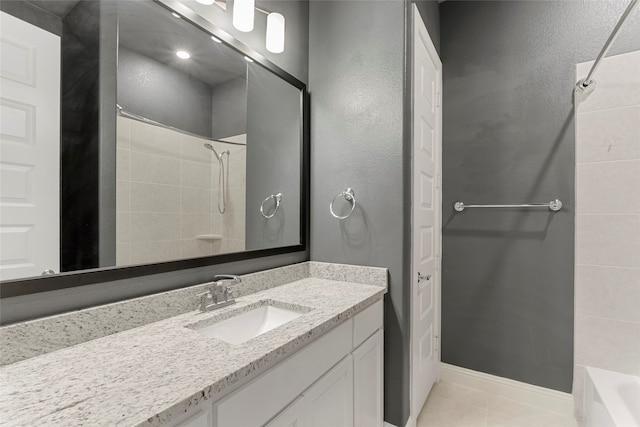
<point>204,299</point>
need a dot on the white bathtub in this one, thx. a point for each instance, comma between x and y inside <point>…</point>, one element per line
<point>611,399</point>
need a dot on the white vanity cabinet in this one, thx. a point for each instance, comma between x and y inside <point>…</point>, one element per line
<point>334,381</point>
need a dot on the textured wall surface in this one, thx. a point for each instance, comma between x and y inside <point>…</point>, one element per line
<point>607,283</point>
<point>229,108</point>
<point>273,160</point>
<point>356,84</point>
<point>507,286</point>
<point>164,94</point>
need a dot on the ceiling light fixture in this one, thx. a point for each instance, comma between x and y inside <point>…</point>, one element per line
<point>183,54</point>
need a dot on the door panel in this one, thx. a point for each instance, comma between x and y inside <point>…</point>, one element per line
<point>29,149</point>
<point>426,213</point>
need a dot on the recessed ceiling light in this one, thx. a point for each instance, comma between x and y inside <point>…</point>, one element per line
<point>246,58</point>
<point>175,15</point>
<point>183,54</point>
<point>215,39</point>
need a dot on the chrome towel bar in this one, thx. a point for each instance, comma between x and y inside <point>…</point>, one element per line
<point>554,205</point>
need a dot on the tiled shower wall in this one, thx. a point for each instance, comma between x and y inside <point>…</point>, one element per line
<point>167,195</point>
<point>607,270</point>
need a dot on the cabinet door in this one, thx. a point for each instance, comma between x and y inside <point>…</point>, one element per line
<point>201,418</point>
<point>368,382</point>
<point>329,402</point>
<point>292,416</point>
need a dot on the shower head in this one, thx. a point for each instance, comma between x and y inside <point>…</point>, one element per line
<point>210,147</point>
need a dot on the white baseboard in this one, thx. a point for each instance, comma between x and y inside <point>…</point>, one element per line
<point>540,397</point>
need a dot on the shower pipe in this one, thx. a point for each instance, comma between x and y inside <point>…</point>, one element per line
<point>587,84</point>
<point>122,112</point>
<point>222,180</point>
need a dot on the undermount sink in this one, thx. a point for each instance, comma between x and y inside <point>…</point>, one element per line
<point>249,324</point>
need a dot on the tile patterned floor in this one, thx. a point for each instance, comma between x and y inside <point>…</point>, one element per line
<point>452,405</point>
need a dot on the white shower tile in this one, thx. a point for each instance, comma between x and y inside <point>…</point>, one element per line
<point>195,248</point>
<point>608,187</point>
<point>608,240</point>
<point>233,226</point>
<point>196,200</point>
<point>123,164</point>
<point>123,133</point>
<point>154,197</point>
<point>608,135</point>
<point>147,252</point>
<point>607,344</point>
<point>154,140</point>
<point>609,292</point>
<point>153,226</point>
<point>123,227</point>
<point>236,201</point>
<point>617,83</point>
<point>193,149</point>
<point>154,169</point>
<point>193,225</point>
<point>196,174</point>
<point>123,196</point>
<point>122,254</point>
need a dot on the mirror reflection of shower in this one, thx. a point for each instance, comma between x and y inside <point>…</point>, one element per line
<point>222,177</point>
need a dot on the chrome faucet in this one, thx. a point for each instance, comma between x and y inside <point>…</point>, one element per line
<point>218,292</point>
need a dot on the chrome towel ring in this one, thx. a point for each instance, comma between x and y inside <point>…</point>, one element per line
<point>350,197</point>
<point>276,198</point>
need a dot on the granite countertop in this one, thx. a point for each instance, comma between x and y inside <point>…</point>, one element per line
<point>152,374</point>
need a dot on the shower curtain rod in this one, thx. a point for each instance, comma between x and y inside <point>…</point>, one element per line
<point>122,112</point>
<point>587,84</point>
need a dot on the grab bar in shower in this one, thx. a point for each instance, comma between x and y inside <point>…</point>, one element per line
<point>554,205</point>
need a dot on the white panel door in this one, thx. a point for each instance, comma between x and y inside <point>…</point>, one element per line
<point>426,213</point>
<point>29,149</point>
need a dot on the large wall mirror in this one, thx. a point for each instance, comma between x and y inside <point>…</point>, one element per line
<point>135,139</point>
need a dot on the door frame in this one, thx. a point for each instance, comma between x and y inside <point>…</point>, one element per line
<point>419,28</point>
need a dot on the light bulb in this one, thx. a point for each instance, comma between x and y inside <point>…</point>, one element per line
<point>183,54</point>
<point>275,32</point>
<point>243,14</point>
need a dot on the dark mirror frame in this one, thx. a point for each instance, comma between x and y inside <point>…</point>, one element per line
<point>33,285</point>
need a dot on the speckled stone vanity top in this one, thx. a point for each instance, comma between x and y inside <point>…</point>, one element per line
<point>151,374</point>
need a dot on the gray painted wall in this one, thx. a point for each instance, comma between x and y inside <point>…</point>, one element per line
<point>356,75</point>
<point>273,158</point>
<point>430,13</point>
<point>507,284</point>
<point>164,94</point>
<point>229,108</point>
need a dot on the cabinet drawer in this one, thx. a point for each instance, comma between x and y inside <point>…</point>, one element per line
<point>261,399</point>
<point>367,322</point>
